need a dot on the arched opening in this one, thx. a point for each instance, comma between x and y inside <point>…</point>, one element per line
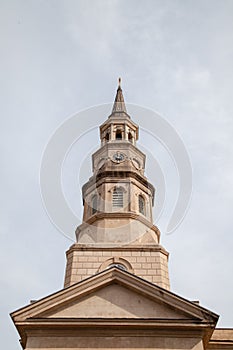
<point>141,205</point>
<point>117,262</point>
<point>94,204</point>
<point>118,198</point>
<point>107,137</point>
<point>130,137</point>
<point>120,266</point>
<point>118,135</point>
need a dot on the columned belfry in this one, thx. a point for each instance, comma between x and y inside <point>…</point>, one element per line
<point>117,223</point>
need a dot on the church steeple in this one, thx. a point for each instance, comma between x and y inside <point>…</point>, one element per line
<point>119,103</point>
<point>117,223</point>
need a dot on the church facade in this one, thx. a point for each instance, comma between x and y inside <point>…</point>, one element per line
<point>116,291</point>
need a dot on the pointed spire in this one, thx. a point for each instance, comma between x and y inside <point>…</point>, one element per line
<point>119,103</point>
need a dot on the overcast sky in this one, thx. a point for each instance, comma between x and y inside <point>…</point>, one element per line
<point>60,57</point>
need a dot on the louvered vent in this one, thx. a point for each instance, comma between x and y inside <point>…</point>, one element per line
<point>117,198</point>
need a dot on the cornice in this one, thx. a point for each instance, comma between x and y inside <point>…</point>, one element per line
<point>123,248</point>
<point>140,328</point>
<point>121,215</point>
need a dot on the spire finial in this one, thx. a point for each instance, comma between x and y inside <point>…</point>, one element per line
<point>119,104</point>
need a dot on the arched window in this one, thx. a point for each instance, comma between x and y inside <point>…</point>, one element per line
<point>94,204</point>
<point>141,204</point>
<point>107,137</point>
<point>130,137</point>
<point>118,198</point>
<point>118,135</point>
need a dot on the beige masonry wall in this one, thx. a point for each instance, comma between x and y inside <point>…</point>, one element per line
<point>150,263</point>
<point>97,342</point>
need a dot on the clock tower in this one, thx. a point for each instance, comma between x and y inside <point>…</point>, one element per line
<point>117,226</point>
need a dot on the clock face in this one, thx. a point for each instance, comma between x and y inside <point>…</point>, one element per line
<point>118,157</point>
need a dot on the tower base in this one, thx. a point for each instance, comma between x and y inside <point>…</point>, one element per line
<point>148,262</point>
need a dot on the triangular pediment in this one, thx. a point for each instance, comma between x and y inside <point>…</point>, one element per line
<point>115,301</point>
<point>114,294</point>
